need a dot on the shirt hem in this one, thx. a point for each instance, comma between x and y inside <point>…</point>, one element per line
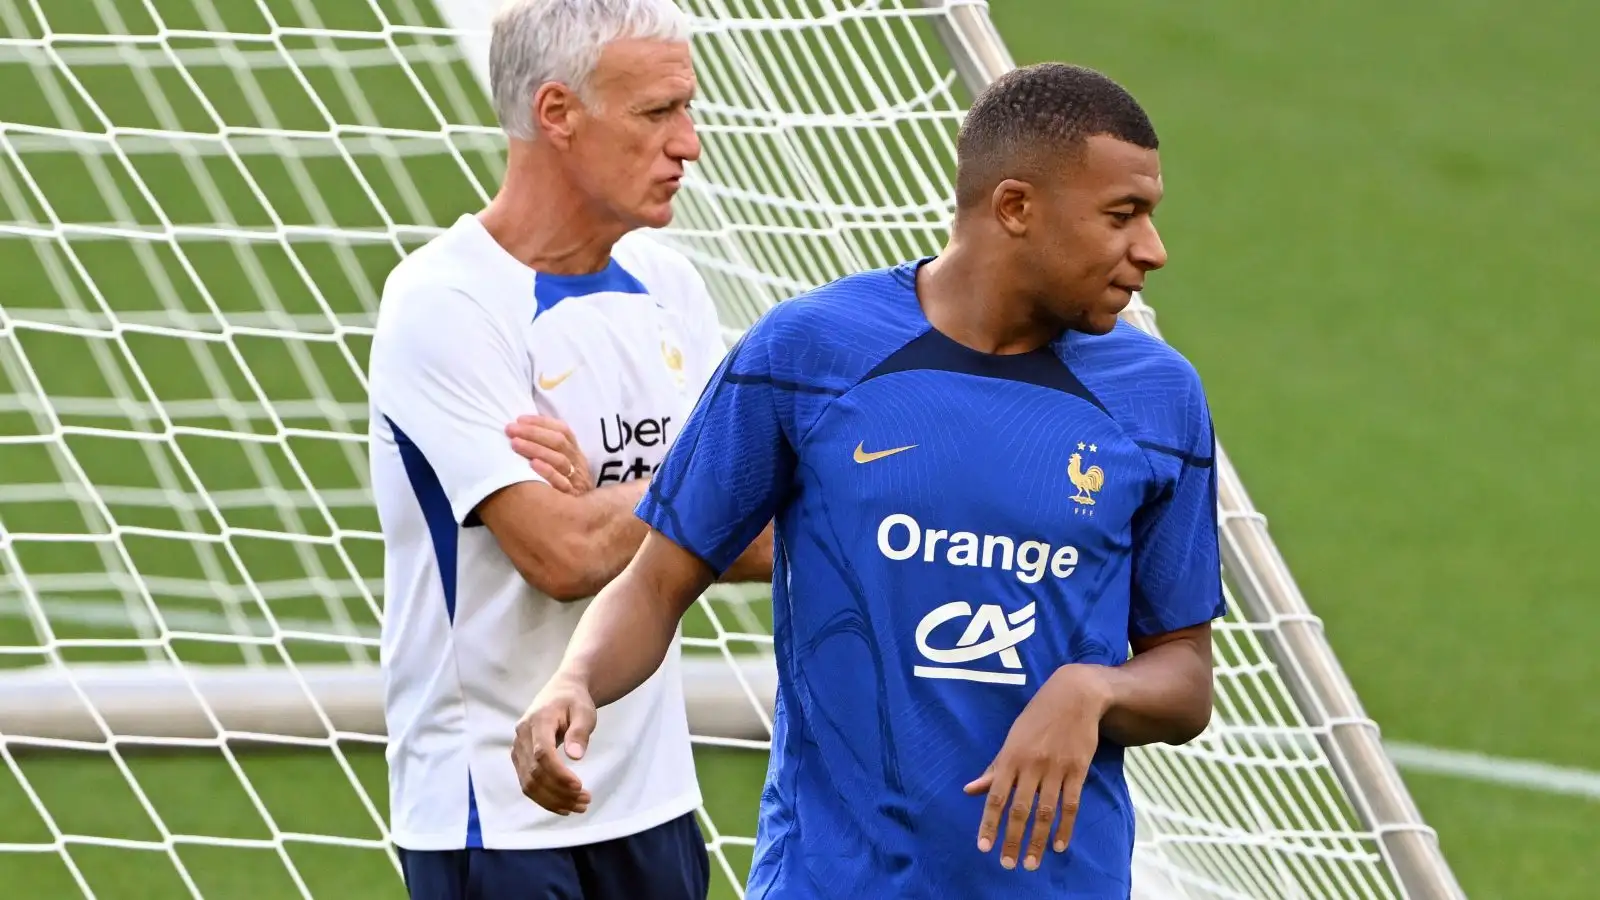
<point>556,836</point>
<point>470,498</point>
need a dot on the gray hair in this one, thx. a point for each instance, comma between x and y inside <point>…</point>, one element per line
<point>537,41</point>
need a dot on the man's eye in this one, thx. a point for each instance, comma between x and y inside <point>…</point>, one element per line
<point>1122,218</point>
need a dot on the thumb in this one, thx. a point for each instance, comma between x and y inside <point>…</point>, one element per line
<point>981,784</point>
<point>578,731</point>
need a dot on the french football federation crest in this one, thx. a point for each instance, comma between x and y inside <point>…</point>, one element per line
<point>673,357</point>
<point>1087,481</point>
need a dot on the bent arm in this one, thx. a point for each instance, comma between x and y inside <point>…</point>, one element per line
<point>568,547</point>
<point>1162,694</point>
<point>624,635</point>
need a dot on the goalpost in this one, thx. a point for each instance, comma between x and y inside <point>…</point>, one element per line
<point>198,203</point>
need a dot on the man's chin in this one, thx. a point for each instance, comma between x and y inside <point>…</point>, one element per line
<point>1097,323</point>
<point>1101,319</point>
<point>657,216</point>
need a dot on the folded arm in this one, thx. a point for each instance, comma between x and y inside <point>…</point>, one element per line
<point>567,546</point>
<point>571,547</point>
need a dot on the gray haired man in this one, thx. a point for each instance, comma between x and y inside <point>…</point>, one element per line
<point>529,370</point>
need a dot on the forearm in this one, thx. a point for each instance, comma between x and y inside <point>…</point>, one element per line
<point>609,534</point>
<point>1162,695</point>
<point>567,547</point>
<point>626,632</point>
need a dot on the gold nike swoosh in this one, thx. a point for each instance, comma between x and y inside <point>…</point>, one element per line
<point>862,456</point>
<point>551,383</point>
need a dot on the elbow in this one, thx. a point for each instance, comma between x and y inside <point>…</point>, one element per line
<point>562,587</point>
<point>561,574</point>
<point>1190,726</point>
<point>1195,716</point>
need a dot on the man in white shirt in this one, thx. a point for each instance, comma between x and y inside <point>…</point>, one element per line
<point>548,303</point>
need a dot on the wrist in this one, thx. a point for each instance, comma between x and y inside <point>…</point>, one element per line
<point>572,673</point>
<point>1096,685</point>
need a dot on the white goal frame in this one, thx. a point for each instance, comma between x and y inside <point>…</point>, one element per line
<point>81,706</point>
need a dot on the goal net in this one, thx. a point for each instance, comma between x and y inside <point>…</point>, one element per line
<point>199,200</point>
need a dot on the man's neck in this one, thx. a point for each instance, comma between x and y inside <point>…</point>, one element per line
<point>545,222</point>
<point>968,301</point>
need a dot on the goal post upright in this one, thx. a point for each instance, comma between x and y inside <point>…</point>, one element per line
<point>1264,586</point>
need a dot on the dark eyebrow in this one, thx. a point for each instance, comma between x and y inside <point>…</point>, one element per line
<point>1137,201</point>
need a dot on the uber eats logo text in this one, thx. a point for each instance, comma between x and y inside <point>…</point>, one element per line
<point>618,435</point>
<point>901,537</point>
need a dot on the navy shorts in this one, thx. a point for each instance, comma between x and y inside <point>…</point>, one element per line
<point>667,862</point>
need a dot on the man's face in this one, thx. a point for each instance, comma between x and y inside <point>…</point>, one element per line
<point>1096,238</point>
<point>633,136</point>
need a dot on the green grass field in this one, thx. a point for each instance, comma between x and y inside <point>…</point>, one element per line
<point>1378,213</point>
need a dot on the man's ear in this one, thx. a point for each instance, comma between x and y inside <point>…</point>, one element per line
<point>555,108</point>
<point>1012,203</point>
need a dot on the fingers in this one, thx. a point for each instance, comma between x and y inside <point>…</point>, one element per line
<point>547,430</point>
<point>544,777</point>
<point>1071,790</point>
<point>550,422</point>
<point>1011,799</point>
<point>533,451</point>
<point>1016,819</point>
<point>542,439</point>
<point>1001,779</point>
<point>578,732</point>
<point>553,472</point>
<point>530,436</point>
<point>1044,817</point>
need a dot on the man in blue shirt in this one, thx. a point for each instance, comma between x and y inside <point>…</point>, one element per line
<point>987,490</point>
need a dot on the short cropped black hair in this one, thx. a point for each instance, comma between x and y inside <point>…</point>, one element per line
<point>1037,115</point>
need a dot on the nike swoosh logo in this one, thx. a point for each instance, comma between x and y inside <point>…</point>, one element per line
<point>551,383</point>
<point>862,456</point>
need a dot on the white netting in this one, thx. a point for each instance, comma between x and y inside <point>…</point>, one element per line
<point>198,202</point>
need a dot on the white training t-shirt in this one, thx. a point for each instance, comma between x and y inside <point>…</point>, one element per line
<point>467,339</point>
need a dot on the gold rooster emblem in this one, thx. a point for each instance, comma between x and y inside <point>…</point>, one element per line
<point>673,357</point>
<point>1087,482</point>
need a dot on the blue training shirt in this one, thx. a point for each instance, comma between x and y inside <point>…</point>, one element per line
<point>952,526</point>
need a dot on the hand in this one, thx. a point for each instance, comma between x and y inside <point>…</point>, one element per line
<point>548,445</point>
<point>1046,754</point>
<point>563,711</point>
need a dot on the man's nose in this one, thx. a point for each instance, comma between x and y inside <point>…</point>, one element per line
<point>1148,252</point>
<point>685,141</point>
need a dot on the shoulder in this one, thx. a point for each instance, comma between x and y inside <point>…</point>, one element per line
<point>852,322</point>
<point>452,274</point>
<point>448,295</point>
<point>1129,350</point>
<point>1146,384</point>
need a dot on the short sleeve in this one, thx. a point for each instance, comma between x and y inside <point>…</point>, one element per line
<point>1177,571</point>
<point>731,467</point>
<point>446,376</point>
